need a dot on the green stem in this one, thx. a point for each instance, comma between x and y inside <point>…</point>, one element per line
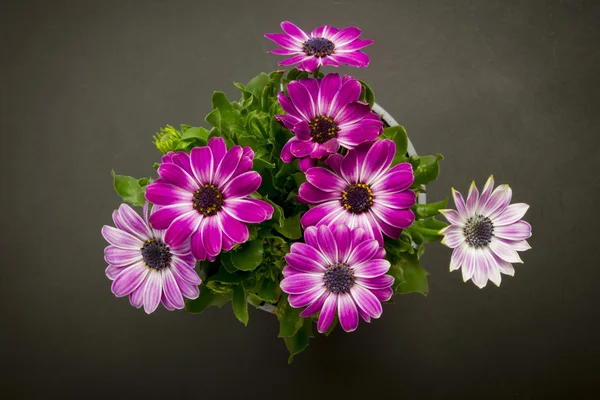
<point>316,73</point>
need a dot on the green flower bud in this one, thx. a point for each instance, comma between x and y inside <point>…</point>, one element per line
<point>167,139</point>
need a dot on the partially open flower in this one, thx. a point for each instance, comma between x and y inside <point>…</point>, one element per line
<point>486,233</point>
<point>337,271</point>
<point>325,45</point>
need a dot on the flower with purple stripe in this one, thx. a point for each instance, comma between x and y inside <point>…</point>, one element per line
<point>337,271</point>
<point>324,114</point>
<point>146,266</point>
<point>361,191</point>
<point>204,195</point>
<point>325,45</point>
<point>486,232</point>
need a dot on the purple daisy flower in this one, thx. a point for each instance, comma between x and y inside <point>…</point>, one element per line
<point>143,264</point>
<point>204,195</point>
<point>324,114</point>
<point>361,191</point>
<point>486,233</point>
<point>337,269</point>
<point>326,45</point>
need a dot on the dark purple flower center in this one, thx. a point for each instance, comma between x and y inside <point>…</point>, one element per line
<point>208,200</point>
<point>323,129</point>
<point>339,278</point>
<point>357,198</point>
<point>318,47</point>
<point>479,231</point>
<point>156,254</point>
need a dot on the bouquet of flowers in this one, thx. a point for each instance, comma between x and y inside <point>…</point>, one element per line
<point>303,198</point>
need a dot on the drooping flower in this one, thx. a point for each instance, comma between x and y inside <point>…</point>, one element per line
<point>325,45</point>
<point>324,114</point>
<point>486,233</point>
<point>204,195</point>
<point>337,271</point>
<point>146,266</point>
<point>361,191</point>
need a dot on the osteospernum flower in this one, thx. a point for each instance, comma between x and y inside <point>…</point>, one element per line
<point>486,233</point>
<point>337,269</point>
<point>361,191</point>
<point>204,195</point>
<point>324,114</point>
<point>146,266</point>
<point>325,45</point>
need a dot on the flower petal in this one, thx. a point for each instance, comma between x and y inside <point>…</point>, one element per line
<point>185,271</point>
<point>316,214</point>
<point>351,113</point>
<point>302,100</point>
<point>453,236</point>
<point>356,44</point>
<point>343,239</point>
<point>285,41</point>
<point>128,280</point>
<point>242,185</point>
<point>347,312</point>
<point>175,175</point>
<point>383,294</point>
<point>304,264</point>
<point>349,92</point>
<point>459,202</point>
<point>345,36</point>
<point>327,244</point>
<point>328,88</point>
<point>367,301</point>
<point>371,268</point>
<point>133,223</point>
<point>316,305</point>
<point>394,180</point>
<point>519,230</point>
<point>511,214</point>
<point>203,164</point>
<point>234,229</point>
<point>295,33</point>
<point>452,216</point>
<point>247,210</point>
<point>379,282</point>
<point>308,250</point>
<point>304,299</point>
<point>227,166</point>
<point>171,289</point>
<point>472,197</point>
<point>352,135</point>
<point>487,191</point>
<point>301,283</point>
<point>378,159</point>
<point>182,228</point>
<point>164,216</point>
<point>121,239</point>
<point>458,256</point>
<point>153,291</point>
<point>327,313</point>
<point>504,251</point>
<point>354,59</point>
<point>363,252</point>
<point>311,195</point>
<point>399,200</point>
<point>121,257</point>
<point>497,202</point>
<point>163,194</point>
<point>211,232</point>
<point>325,180</point>
<point>400,218</point>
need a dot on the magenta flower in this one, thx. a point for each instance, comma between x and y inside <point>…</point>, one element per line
<point>361,191</point>
<point>204,195</point>
<point>486,233</point>
<point>324,114</point>
<point>326,45</point>
<point>338,269</point>
<point>143,264</point>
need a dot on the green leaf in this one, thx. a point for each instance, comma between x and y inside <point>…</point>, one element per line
<point>205,300</point>
<point>429,210</point>
<point>415,277</point>
<point>278,218</point>
<point>196,132</point>
<point>427,230</point>
<point>366,94</point>
<point>291,227</point>
<point>227,263</point>
<point>299,178</point>
<point>240,304</point>
<point>297,343</point>
<point>130,189</point>
<point>257,84</point>
<point>269,290</point>
<point>428,169</point>
<point>289,318</point>
<point>248,256</point>
<point>398,135</point>
<point>222,276</point>
<point>260,164</point>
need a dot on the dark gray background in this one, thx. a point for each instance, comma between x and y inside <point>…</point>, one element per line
<point>505,87</point>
